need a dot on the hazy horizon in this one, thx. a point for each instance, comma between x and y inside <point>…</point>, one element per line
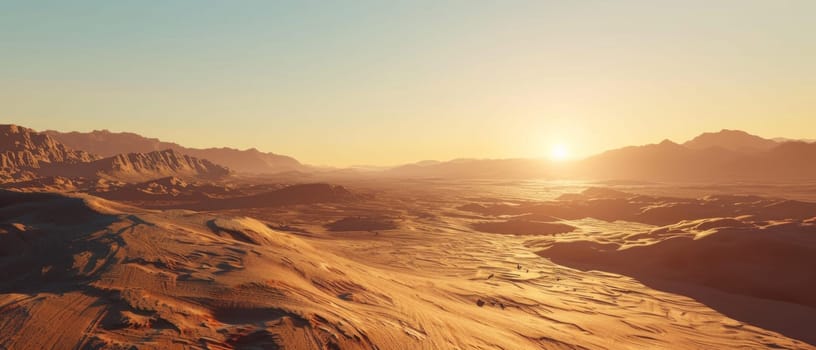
<point>570,157</point>
<point>384,84</point>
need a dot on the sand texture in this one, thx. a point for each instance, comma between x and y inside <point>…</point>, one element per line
<point>437,266</point>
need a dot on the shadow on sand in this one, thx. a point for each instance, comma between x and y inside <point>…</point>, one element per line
<point>789,319</point>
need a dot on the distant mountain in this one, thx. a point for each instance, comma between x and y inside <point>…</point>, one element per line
<point>106,143</point>
<point>664,161</point>
<point>733,140</point>
<point>26,154</point>
<point>791,160</point>
<point>475,169</point>
<point>728,155</point>
<point>668,161</point>
<point>785,139</point>
<point>137,167</point>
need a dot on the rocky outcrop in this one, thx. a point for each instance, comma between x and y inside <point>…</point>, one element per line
<point>26,154</point>
<point>106,144</point>
<point>22,148</point>
<point>138,167</point>
<point>158,164</point>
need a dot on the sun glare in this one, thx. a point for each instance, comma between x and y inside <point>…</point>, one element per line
<point>559,152</point>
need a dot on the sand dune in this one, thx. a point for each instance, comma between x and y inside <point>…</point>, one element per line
<point>522,226</point>
<point>150,278</point>
<point>91,273</point>
<point>287,195</point>
<point>361,223</point>
<point>767,261</point>
<point>599,204</point>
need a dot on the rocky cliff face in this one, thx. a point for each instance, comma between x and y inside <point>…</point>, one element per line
<point>26,154</point>
<point>107,144</point>
<point>23,150</point>
<point>157,164</point>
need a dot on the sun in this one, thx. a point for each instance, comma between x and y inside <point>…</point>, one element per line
<point>559,152</point>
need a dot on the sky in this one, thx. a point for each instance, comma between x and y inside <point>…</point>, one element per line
<point>389,82</point>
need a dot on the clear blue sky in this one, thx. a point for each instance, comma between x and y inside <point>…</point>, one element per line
<point>385,82</point>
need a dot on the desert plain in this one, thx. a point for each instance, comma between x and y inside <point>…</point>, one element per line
<point>424,264</point>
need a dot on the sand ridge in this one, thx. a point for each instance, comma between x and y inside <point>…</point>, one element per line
<point>118,275</point>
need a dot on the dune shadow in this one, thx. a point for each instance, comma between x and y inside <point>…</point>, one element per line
<point>53,244</point>
<point>789,319</point>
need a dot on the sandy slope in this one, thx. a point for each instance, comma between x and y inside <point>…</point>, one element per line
<point>82,272</point>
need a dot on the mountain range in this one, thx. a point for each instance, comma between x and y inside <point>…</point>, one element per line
<point>26,154</point>
<point>732,140</point>
<point>23,150</point>
<point>106,144</point>
<point>669,161</point>
<point>727,155</point>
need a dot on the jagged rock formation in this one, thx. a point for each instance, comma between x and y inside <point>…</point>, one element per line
<point>26,154</point>
<point>153,164</point>
<point>23,150</point>
<point>138,167</point>
<point>106,144</point>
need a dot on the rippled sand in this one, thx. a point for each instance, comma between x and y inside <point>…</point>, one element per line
<point>104,275</point>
